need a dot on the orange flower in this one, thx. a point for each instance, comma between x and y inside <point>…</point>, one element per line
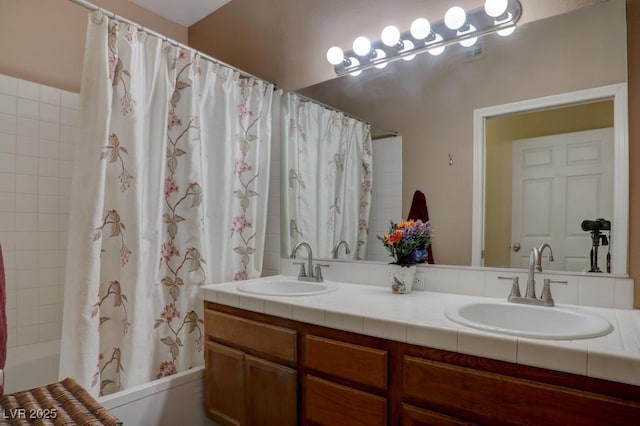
<point>397,236</point>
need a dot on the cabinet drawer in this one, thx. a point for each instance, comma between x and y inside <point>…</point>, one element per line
<point>361,364</point>
<point>414,416</point>
<point>268,339</point>
<point>329,403</point>
<point>489,397</point>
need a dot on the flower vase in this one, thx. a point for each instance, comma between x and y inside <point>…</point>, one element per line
<point>402,277</point>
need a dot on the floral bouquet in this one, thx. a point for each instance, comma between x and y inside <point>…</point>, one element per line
<point>407,241</point>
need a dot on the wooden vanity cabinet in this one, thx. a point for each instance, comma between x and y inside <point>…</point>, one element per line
<point>264,370</point>
<point>246,381</point>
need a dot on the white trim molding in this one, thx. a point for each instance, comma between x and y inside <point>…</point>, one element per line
<point>620,222</point>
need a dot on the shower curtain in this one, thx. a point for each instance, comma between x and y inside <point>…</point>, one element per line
<point>327,193</point>
<point>169,193</point>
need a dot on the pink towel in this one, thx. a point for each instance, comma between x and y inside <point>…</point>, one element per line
<point>3,320</point>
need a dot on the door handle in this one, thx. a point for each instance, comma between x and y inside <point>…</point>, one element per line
<point>516,247</point>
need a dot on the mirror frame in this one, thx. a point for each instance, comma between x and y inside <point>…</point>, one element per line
<point>617,92</point>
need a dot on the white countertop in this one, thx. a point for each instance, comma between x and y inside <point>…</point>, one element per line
<point>418,318</point>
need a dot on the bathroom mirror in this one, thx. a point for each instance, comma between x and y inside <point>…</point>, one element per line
<point>431,101</point>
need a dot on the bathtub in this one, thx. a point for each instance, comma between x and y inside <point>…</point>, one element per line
<point>173,400</point>
<point>31,366</point>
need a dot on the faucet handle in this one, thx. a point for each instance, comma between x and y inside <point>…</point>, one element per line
<point>515,286</point>
<point>318,274</point>
<point>546,290</point>
<point>303,271</point>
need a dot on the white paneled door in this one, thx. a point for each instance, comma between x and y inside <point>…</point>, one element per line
<point>559,181</point>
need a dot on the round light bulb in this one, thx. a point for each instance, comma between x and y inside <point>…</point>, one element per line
<point>468,42</point>
<point>436,50</point>
<point>455,18</point>
<point>408,45</point>
<point>507,31</point>
<point>361,46</point>
<point>390,36</point>
<point>335,55</point>
<point>381,55</point>
<point>495,8</point>
<point>354,63</point>
<point>420,28</point>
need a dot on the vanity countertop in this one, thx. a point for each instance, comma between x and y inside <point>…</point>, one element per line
<point>418,318</point>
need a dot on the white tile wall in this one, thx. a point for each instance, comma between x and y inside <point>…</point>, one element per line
<point>38,130</point>
<point>605,291</point>
<point>271,260</point>
<point>386,200</point>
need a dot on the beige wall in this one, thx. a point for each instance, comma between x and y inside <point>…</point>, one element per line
<point>501,131</point>
<point>43,40</point>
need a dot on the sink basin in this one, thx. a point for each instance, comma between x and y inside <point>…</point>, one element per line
<point>556,323</point>
<point>283,287</point>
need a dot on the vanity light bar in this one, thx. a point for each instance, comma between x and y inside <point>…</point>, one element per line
<point>475,23</point>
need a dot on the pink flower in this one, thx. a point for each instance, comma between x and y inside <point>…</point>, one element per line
<point>366,185</point>
<point>242,166</point>
<point>239,276</point>
<point>170,186</point>
<point>240,223</point>
<point>363,224</point>
<point>174,120</point>
<point>124,255</point>
<point>182,54</point>
<point>243,111</point>
<point>199,344</point>
<point>167,368</point>
<point>169,250</point>
<point>170,312</point>
<point>131,31</point>
<point>112,65</point>
<point>125,180</point>
<point>127,102</point>
<point>366,148</point>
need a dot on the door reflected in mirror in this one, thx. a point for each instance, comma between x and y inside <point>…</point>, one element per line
<point>546,172</point>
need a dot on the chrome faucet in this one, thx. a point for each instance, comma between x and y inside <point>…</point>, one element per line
<point>535,265</point>
<point>347,250</point>
<point>303,275</point>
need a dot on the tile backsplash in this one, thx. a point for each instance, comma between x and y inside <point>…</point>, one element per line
<point>588,290</point>
<point>38,131</point>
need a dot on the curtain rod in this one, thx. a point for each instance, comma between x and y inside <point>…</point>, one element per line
<point>382,129</point>
<point>171,41</point>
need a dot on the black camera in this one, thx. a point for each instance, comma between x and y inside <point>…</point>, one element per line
<point>597,225</point>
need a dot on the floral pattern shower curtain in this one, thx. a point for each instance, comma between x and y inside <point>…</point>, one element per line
<point>169,193</point>
<point>327,197</point>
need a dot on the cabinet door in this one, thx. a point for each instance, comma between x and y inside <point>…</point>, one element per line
<point>224,393</point>
<point>329,403</point>
<point>271,393</point>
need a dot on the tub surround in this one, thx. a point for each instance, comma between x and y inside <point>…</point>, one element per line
<point>418,318</point>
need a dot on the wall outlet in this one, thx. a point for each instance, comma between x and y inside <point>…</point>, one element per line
<point>418,281</point>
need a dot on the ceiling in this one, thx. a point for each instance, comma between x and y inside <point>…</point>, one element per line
<point>183,12</point>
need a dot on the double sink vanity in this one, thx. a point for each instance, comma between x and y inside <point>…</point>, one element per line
<point>284,351</point>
